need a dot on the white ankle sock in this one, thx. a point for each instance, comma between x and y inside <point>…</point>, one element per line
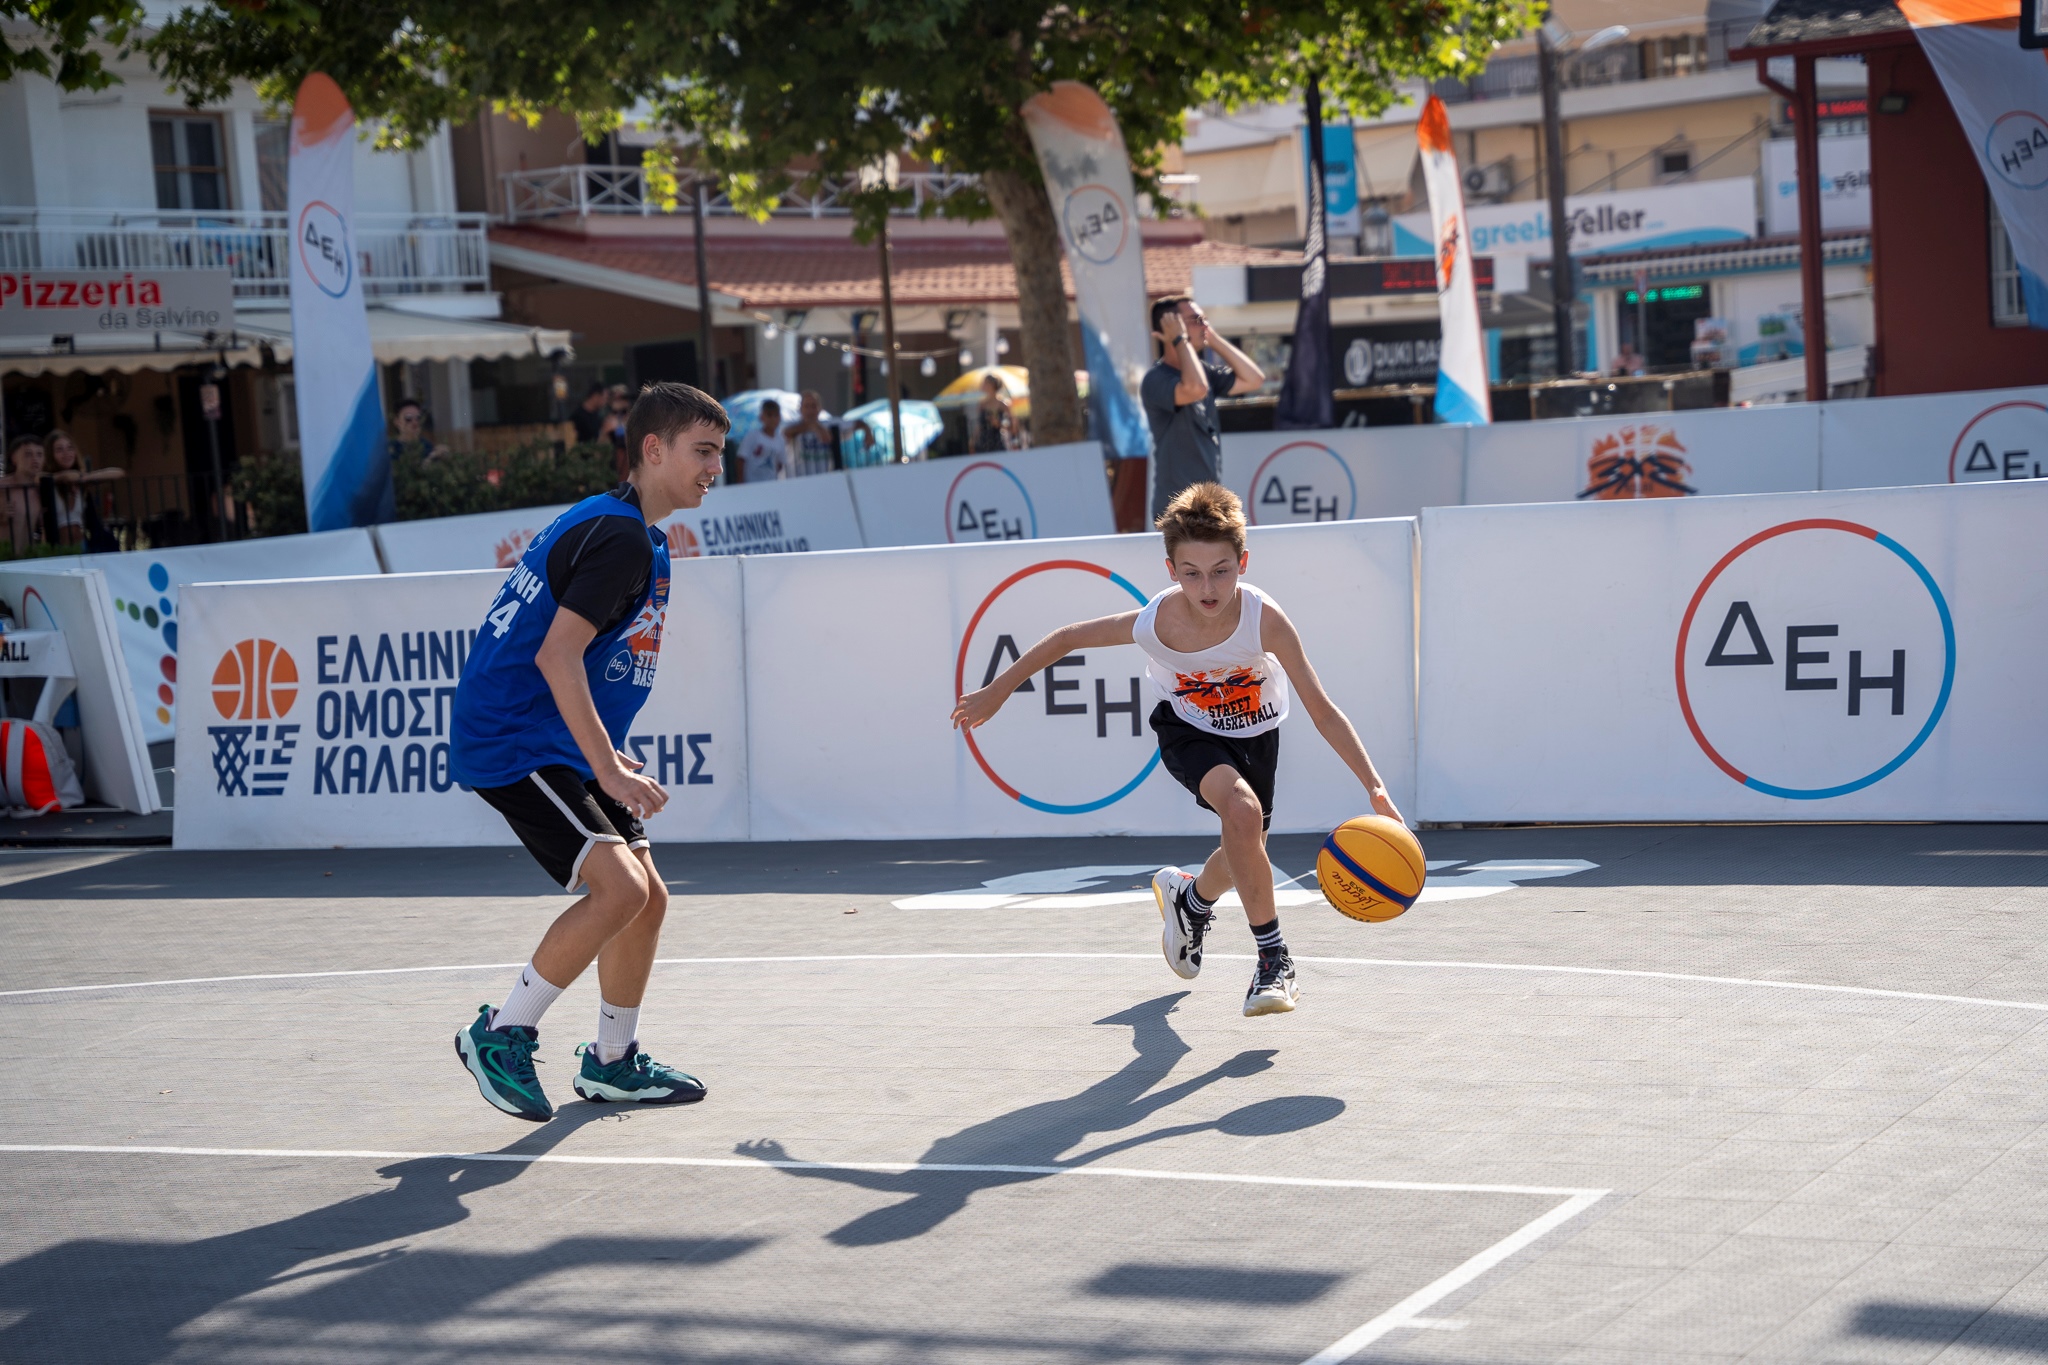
<point>617,1027</point>
<point>527,1001</point>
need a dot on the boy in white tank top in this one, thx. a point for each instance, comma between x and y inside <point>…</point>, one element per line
<point>1225,662</point>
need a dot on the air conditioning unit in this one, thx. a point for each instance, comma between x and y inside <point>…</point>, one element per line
<point>1492,181</point>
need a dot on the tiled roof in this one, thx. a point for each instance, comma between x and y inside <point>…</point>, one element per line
<point>808,273</point>
<point>1792,23</point>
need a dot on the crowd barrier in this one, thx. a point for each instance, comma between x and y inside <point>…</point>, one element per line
<point>1855,654</point>
<point>1040,494</point>
<point>329,716</point>
<point>1836,656</point>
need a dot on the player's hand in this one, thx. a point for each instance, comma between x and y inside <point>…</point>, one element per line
<point>1172,328</point>
<point>641,795</point>
<point>976,708</point>
<point>1382,804</point>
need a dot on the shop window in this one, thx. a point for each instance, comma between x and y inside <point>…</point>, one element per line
<point>273,163</point>
<point>2008,301</point>
<point>1659,324</point>
<point>191,172</point>
<point>1682,55</point>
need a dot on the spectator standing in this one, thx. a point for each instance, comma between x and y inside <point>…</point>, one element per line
<point>589,417</point>
<point>813,442</point>
<point>765,454</point>
<point>28,516</point>
<point>995,425</point>
<point>618,404</point>
<point>74,508</point>
<point>411,442</point>
<point>1628,361</point>
<point>1180,393</point>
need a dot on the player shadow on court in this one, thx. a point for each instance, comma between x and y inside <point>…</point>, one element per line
<point>123,1302</point>
<point>1036,1135</point>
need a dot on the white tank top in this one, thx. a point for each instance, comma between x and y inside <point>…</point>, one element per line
<point>1234,688</point>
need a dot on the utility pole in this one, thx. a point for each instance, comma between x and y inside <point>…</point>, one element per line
<point>706,369</point>
<point>894,364</point>
<point>1561,290</point>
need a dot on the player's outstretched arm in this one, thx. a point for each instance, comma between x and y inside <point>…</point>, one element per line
<point>979,707</point>
<point>1284,643</point>
<point>560,660</point>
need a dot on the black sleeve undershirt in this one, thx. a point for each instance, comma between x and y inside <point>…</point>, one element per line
<point>599,569</point>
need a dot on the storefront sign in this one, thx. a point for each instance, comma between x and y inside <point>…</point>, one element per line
<point>1844,184</point>
<point>80,303</point>
<point>1371,356</point>
<point>1633,220</point>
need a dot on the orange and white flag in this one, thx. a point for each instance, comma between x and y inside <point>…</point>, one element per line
<point>1461,394</point>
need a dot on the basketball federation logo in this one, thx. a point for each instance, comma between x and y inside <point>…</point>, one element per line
<point>255,680</point>
<point>1641,460</point>
<point>682,542</point>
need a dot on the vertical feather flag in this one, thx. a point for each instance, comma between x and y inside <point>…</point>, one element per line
<point>1306,400</point>
<point>2000,94</point>
<point>1088,176</point>
<point>342,451</point>
<point>1461,394</point>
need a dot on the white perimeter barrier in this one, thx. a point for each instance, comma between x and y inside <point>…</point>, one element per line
<point>1989,437</point>
<point>853,661</point>
<point>1288,477</point>
<point>117,769</point>
<point>144,587</point>
<point>1038,494</point>
<point>1852,655</point>
<point>787,516</point>
<point>1645,455</point>
<point>326,719</point>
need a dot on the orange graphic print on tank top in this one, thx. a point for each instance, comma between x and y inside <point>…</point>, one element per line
<point>1224,695</point>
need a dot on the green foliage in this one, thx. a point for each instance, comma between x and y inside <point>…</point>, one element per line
<point>275,491</point>
<point>456,483</point>
<point>65,39</point>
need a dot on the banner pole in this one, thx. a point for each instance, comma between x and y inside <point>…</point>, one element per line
<point>895,361</point>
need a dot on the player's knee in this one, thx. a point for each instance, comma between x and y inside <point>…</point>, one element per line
<point>655,904</point>
<point>619,888</point>
<point>1240,810</point>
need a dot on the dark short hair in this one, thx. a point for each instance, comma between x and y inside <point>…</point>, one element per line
<point>18,442</point>
<point>596,386</point>
<point>770,405</point>
<point>405,403</point>
<point>1161,307</point>
<point>663,410</point>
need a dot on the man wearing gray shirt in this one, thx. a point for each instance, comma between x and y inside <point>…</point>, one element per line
<point>1180,393</point>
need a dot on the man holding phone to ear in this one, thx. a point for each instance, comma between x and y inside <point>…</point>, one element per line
<point>1180,393</point>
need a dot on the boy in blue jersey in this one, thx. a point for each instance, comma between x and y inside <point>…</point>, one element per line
<point>564,661</point>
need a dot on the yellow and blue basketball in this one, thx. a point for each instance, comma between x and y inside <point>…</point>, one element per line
<point>1371,868</point>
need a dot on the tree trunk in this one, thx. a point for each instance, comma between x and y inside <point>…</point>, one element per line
<point>1034,239</point>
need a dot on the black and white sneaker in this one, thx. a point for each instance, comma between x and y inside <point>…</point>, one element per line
<point>1273,989</point>
<point>1181,938</point>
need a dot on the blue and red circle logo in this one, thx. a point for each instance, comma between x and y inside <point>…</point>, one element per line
<point>1302,481</point>
<point>1825,657</point>
<point>987,501</point>
<point>1073,730</point>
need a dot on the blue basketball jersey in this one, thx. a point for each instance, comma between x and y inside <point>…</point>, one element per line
<point>505,722</point>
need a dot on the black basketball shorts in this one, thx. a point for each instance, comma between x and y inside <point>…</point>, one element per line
<point>1189,753</point>
<point>560,817</point>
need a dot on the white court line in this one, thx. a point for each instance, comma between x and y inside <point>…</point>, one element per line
<point>1417,963</point>
<point>1406,1313</point>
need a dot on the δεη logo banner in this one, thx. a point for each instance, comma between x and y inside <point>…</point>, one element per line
<point>2005,441</point>
<point>1073,738</point>
<point>986,501</point>
<point>1815,659</point>
<point>1303,481</point>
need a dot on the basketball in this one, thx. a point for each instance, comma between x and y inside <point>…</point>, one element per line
<point>1371,868</point>
<point>255,680</point>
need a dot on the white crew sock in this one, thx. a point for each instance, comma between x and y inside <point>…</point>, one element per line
<point>527,1001</point>
<point>617,1028</point>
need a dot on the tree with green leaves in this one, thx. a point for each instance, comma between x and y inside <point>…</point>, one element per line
<point>765,93</point>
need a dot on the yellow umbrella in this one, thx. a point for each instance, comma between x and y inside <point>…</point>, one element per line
<point>966,390</point>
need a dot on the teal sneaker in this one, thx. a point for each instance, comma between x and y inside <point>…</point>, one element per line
<point>635,1078</point>
<point>502,1062</point>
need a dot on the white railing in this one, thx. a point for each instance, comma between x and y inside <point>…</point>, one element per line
<point>557,191</point>
<point>398,253</point>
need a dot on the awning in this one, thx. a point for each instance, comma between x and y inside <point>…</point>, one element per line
<point>394,337</point>
<point>1385,162</point>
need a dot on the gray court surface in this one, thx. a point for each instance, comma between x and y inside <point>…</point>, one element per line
<point>1642,1094</point>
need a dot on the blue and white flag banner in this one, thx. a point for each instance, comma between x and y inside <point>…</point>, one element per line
<point>1461,394</point>
<point>342,449</point>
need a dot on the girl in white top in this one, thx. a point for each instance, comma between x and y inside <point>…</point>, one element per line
<point>1225,661</point>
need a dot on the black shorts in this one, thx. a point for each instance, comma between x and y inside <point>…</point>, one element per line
<point>560,818</point>
<point>1189,753</point>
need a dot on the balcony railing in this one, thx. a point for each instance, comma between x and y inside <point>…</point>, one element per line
<point>1653,56</point>
<point>559,191</point>
<point>399,253</point>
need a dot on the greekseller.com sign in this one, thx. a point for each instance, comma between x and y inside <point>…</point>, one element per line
<point>1659,216</point>
<point>115,302</point>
